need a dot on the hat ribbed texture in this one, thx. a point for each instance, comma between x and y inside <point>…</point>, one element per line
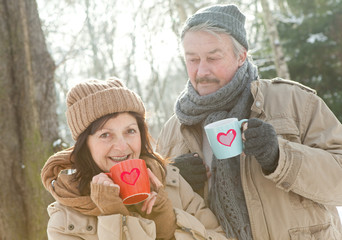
<point>92,99</point>
<point>227,17</point>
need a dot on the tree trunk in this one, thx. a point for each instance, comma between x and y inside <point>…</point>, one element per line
<point>271,27</point>
<point>28,120</point>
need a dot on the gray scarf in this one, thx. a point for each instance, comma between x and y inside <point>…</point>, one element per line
<point>232,100</point>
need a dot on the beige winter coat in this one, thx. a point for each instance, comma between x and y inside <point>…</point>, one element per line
<point>298,200</point>
<point>194,219</point>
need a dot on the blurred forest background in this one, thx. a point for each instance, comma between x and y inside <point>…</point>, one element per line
<point>48,46</point>
<point>138,42</point>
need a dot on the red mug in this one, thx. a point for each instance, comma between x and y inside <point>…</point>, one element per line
<point>132,177</point>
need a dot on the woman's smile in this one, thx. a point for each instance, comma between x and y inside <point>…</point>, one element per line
<point>118,140</point>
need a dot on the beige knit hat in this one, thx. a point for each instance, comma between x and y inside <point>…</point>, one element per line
<point>92,99</point>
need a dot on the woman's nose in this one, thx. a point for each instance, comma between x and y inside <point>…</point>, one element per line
<point>120,144</point>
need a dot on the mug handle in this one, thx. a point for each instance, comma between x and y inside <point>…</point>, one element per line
<point>242,121</point>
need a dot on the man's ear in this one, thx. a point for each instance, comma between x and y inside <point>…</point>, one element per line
<point>242,58</point>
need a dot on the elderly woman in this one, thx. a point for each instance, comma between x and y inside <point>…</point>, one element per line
<point>107,121</point>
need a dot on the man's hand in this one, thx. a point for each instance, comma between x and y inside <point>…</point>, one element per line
<point>192,169</point>
<point>261,141</point>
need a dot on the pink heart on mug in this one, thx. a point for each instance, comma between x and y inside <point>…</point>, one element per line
<point>226,138</point>
<point>130,177</point>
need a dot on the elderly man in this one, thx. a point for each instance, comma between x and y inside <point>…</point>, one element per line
<point>287,183</point>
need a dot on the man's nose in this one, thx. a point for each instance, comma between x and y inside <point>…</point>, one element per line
<point>203,69</point>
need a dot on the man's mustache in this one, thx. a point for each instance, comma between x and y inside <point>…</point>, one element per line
<point>207,80</point>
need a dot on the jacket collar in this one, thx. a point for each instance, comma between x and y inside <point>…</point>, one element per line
<point>193,132</point>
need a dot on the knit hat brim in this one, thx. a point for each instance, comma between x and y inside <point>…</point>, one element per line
<point>87,109</point>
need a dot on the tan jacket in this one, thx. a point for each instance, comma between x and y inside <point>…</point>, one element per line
<point>298,200</point>
<point>194,219</point>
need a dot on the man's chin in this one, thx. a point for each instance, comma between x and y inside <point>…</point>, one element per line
<point>206,90</point>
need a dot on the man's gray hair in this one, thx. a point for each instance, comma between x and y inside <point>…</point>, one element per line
<point>212,29</point>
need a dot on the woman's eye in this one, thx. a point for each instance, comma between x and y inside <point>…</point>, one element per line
<point>131,131</point>
<point>104,135</point>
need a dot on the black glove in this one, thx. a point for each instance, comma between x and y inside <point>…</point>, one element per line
<point>192,169</point>
<point>261,141</point>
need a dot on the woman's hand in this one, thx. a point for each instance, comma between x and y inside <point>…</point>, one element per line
<point>106,195</point>
<point>103,179</point>
<point>156,184</point>
<point>163,214</point>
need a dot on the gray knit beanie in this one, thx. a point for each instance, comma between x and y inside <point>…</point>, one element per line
<point>227,17</point>
<point>92,99</point>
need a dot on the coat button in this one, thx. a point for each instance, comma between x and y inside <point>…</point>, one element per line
<point>257,104</point>
<point>89,228</point>
<point>71,227</point>
<point>173,181</point>
<point>285,185</point>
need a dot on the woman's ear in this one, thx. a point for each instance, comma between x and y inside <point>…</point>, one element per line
<point>242,58</point>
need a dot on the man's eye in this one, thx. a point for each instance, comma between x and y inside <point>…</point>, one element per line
<point>193,60</point>
<point>212,59</point>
